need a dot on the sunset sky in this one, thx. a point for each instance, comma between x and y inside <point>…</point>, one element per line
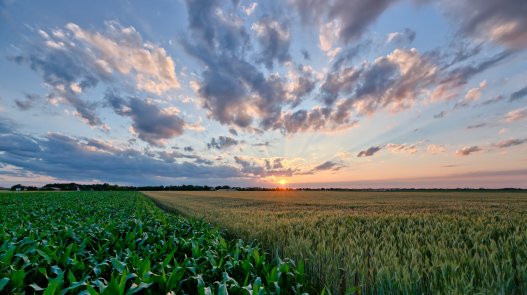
<point>342,93</point>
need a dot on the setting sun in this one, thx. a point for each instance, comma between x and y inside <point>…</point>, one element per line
<point>282,182</point>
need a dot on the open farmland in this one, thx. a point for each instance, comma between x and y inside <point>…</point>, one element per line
<point>121,243</point>
<point>381,242</point>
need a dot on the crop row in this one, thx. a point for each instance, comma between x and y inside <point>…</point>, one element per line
<point>403,243</point>
<point>121,243</point>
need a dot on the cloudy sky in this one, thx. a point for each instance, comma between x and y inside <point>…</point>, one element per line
<point>348,93</point>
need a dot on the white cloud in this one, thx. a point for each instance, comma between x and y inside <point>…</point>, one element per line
<point>516,115</point>
<point>402,148</point>
<point>250,9</point>
<point>435,149</point>
<point>122,50</point>
<point>475,93</point>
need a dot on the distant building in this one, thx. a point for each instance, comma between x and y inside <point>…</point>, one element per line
<point>17,189</point>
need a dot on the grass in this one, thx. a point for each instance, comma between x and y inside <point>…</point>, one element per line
<point>121,243</point>
<point>381,242</point>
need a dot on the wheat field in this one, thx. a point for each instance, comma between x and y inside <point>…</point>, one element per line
<point>380,242</point>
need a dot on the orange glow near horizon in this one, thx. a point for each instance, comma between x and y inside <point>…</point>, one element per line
<point>282,182</point>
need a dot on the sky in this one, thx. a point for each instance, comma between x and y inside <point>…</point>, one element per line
<point>314,93</point>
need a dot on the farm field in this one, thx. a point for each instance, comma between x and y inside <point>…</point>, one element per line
<point>381,242</point>
<point>121,243</point>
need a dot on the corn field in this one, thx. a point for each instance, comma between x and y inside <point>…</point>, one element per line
<point>381,242</point>
<point>121,243</point>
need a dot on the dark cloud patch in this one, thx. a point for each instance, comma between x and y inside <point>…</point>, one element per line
<point>449,166</point>
<point>27,102</point>
<point>250,168</point>
<point>501,21</point>
<point>267,169</point>
<point>369,152</point>
<point>452,79</point>
<point>151,123</point>
<point>474,126</point>
<point>6,125</point>
<point>337,83</point>
<point>440,115</point>
<point>188,149</point>
<point>493,100</point>
<point>303,84</point>
<point>261,144</point>
<point>318,119</point>
<point>274,39</point>
<point>73,61</point>
<point>172,157</point>
<point>458,51</point>
<point>234,90</point>
<point>356,16</point>
<point>70,158</point>
<point>233,131</point>
<point>466,72</point>
<point>460,75</point>
<point>353,17</point>
<point>328,165</point>
<point>346,56</point>
<point>67,74</point>
<point>510,142</point>
<point>519,94</point>
<point>468,150</point>
<point>223,142</point>
<point>274,163</point>
<point>305,54</point>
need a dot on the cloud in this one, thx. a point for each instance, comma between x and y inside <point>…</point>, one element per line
<point>395,81</point>
<point>188,149</point>
<point>451,80</point>
<point>265,169</point>
<point>317,119</point>
<point>352,17</point>
<point>435,149</point>
<point>122,50</point>
<point>495,99</point>
<point>261,144</point>
<point>402,148</point>
<point>80,159</point>
<point>73,60</point>
<point>479,125</point>
<point>173,156</point>
<point>519,94</point>
<point>369,152</point>
<point>233,131</point>
<point>405,37</point>
<point>516,115</point>
<point>472,94</point>
<point>151,123</point>
<point>328,165</point>
<point>305,54</point>
<point>234,90</point>
<point>510,142</point>
<point>501,21</point>
<point>28,101</point>
<point>274,39</point>
<point>475,93</point>
<point>250,8</point>
<point>440,115</point>
<point>465,151</point>
<point>223,142</point>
